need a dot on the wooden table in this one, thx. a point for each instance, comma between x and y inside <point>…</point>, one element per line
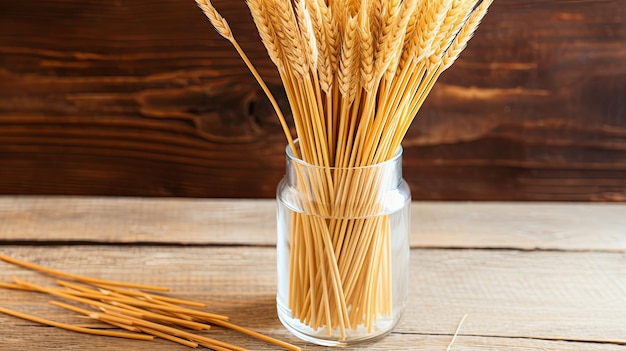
<point>528,276</point>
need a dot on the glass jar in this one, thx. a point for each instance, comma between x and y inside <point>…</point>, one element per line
<point>342,250</point>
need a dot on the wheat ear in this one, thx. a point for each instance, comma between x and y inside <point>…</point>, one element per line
<point>386,39</point>
<point>220,24</point>
<point>289,36</point>
<point>367,52</point>
<point>308,36</point>
<point>466,33</point>
<point>267,32</point>
<point>349,63</point>
<point>409,37</point>
<point>429,26</point>
<point>454,21</point>
<point>406,13</point>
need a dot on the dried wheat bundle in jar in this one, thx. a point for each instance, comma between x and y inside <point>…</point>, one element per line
<point>356,73</point>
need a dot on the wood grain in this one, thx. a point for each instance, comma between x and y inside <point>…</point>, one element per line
<point>143,98</point>
<point>512,296</point>
<point>529,276</point>
<point>524,226</point>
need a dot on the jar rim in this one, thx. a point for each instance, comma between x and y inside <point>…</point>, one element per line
<point>293,158</point>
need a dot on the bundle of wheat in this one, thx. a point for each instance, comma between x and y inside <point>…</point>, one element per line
<point>356,72</point>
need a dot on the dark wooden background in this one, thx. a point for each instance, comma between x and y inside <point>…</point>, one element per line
<point>143,98</point>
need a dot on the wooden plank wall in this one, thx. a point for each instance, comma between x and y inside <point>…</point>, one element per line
<point>143,98</point>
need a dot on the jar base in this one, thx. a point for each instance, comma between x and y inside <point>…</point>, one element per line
<point>354,336</point>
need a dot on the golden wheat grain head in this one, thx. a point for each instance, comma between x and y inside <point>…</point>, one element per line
<point>305,23</point>
<point>456,17</point>
<point>348,75</point>
<point>215,18</point>
<point>391,39</point>
<point>289,35</point>
<point>466,33</point>
<point>408,8</point>
<point>321,31</point>
<point>367,51</point>
<point>428,27</point>
<point>262,20</point>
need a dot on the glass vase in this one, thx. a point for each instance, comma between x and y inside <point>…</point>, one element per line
<point>342,250</point>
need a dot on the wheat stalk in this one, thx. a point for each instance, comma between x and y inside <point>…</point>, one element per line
<point>118,307</point>
<point>223,29</point>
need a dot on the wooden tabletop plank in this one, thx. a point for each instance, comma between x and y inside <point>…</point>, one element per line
<point>136,220</point>
<point>541,296</point>
<point>559,226</point>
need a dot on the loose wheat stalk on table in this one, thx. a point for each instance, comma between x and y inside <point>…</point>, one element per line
<point>128,306</point>
<point>356,73</point>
